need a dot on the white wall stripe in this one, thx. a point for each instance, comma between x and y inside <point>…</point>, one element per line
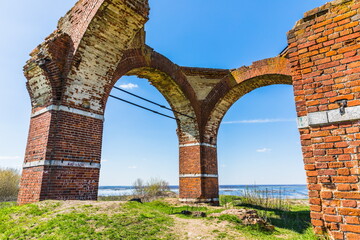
<point>61,164</point>
<point>198,175</point>
<point>329,117</point>
<point>303,122</point>
<point>195,200</point>
<point>68,109</point>
<point>197,144</point>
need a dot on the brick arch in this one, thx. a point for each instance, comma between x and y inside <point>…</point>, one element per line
<point>76,61</point>
<point>66,76</point>
<point>244,80</point>
<point>45,70</point>
<point>97,47</point>
<point>168,79</point>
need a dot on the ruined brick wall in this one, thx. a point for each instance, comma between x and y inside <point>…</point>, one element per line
<point>70,77</point>
<point>324,57</point>
<point>217,90</point>
<point>198,159</point>
<point>71,74</point>
<point>66,76</point>
<point>62,157</point>
<point>239,82</point>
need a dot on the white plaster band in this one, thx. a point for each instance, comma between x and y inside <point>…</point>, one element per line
<point>198,175</point>
<point>61,164</point>
<point>197,144</point>
<point>68,109</point>
<point>329,117</point>
<point>195,200</point>
<point>303,122</point>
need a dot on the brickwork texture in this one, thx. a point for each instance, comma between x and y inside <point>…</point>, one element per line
<point>70,76</point>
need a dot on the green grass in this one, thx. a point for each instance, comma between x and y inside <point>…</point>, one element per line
<point>133,220</point>
<point>115,198</point>
<point>127,221</point>
<point>291,221</point>
<point>172,210</point>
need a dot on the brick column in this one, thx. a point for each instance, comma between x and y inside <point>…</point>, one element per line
<point>198,173</point>
<point>325,60</point>
<point>62,158</point>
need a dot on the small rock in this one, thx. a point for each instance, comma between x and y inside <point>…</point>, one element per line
<point>135,200</point>
<point>185,212</point>
<point>247,217</point>
<point>270,227</point>
<point>198,214</point>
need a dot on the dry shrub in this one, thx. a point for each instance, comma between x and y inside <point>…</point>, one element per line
<point>152,189</point>
<point>139,187</point>
<point>9,184</point>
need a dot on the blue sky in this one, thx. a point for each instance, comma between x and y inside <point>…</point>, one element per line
<point>258,139</point>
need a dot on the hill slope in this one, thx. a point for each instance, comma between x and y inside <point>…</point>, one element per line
<point>124,220</point>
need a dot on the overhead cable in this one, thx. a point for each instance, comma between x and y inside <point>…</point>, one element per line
<point>136,105</point>
<point>147,100</point>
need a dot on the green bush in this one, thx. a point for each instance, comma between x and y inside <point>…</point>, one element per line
<point>9,184</point>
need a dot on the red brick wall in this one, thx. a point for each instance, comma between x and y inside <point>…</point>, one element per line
<point>70,183</point>
<point>38,137</point>
<point>62,136</point>
<point>198,173</point>
<point>190,160</point>
<point>75,138</point>
<point>199,189</point>
<point>325,61</point>
<point>31,185</point>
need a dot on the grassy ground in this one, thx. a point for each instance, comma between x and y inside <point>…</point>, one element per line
<point>59,220</point>
<point>153,220</point>
<point>291,219</point>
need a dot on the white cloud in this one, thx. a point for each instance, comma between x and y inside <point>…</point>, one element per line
<point>261,150</point>
<point>129,86</point>
<point>132,167</point>
<point>261,121</point>
<point>104,160</point>
<point>9,157</point>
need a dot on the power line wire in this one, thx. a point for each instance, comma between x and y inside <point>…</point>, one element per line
<point>157,104</point>
<point>148,109</point>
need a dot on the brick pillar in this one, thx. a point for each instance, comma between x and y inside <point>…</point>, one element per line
<point>325,60</point>
<point>198,173</point>
<point>62,159</point>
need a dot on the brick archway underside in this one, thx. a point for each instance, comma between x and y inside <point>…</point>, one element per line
<point>70,76</point>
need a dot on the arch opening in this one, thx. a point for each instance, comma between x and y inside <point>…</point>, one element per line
<point>272,147</point>
<point>136,143</point>
<point>158,148</point>
<point>260,154</point>
<point>234,94</point>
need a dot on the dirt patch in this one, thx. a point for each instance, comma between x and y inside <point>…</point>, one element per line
<point>204,229</point>
<point>63,207</point>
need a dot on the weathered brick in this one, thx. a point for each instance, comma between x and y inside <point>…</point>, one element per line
<point>350,228</point>
<point>333,218</point>
<point>322,63</point>
<point>352,220</point>
<point>349,203</point>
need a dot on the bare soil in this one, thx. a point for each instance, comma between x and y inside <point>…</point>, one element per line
<point>204,229</point>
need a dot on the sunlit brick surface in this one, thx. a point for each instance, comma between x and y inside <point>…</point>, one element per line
<point>71,74</point>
